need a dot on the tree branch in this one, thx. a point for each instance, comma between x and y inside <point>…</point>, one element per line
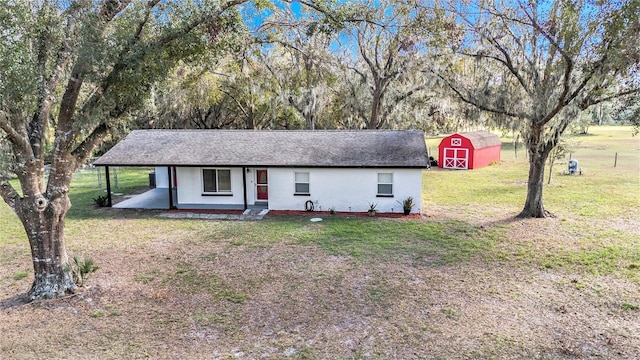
<point>520,45</point>
<point>84,149</point>
<point>9,194</point>
<point>357,71</point>
<point>566,98</point>
<point>46,87</point>
<point>391,57</point>
<point>597,66</point>
<point>365,57</point>
<point>400,98</point>
<point>150,5</point>
<point>331,16</point>
<point>566,83</point>
<point>409,93</point>
<point>97,95</point>
<point>357,105</point>
<point>534,23</point>
<point>17,139</point>
<point>557,133</point>
<point>508,62</point>
<point>475,102</point>
<point>588,101</point>
<point>235,100</point>
<point>111,8</point>
<point>123,59</point>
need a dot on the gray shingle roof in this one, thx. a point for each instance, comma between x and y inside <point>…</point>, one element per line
<point>481,139</point>
<point>364,148</point>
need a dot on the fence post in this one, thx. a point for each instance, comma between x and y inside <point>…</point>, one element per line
<point>615,162</point>
<point>115,176</point>
<point>99,178</point>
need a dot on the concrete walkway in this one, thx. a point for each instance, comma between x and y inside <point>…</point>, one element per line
<point>249,214</point>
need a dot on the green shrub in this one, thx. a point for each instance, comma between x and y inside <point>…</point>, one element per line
<point>80,269</point>
<point>101,201</point>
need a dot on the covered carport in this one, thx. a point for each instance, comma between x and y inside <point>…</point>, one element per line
<point>157,198</point>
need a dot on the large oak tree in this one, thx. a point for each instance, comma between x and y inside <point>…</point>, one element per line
<point>541,63</point>
<point>71,70</point>
<point>389,49</point>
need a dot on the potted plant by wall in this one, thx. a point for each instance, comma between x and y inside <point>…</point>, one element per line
<point>372,209</point>
<point>407,205</point>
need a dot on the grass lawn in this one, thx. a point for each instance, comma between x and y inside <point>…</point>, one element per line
<point>468,280</point>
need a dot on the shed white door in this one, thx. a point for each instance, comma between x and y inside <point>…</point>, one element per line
<point>456,158</point>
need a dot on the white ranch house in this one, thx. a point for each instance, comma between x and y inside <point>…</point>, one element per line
<point>279,170</point>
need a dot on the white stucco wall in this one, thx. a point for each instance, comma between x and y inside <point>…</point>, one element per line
<point>189,189</point>
<point>341,189</point>
<point>162,177</point>
<point>344,189</point>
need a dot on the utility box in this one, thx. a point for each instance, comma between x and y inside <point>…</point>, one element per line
<point>573,167</point>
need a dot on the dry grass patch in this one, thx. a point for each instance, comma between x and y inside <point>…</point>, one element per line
<point>275,289</point>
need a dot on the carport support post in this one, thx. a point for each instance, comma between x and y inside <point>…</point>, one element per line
<point>244,186</point>
<point>170,187</point>
<point>106,173</point>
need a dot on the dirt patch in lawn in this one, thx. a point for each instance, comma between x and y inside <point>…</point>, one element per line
<point>193,290</point>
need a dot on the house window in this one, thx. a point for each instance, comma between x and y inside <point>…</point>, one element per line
<point>216,181</point>
<point>385,184</point>
<point>302,183</point>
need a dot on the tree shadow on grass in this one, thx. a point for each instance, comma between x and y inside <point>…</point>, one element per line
<point>506,220</point>
<point>14,301</point>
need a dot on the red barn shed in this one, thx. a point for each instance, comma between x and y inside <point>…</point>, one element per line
<point>470,150</point>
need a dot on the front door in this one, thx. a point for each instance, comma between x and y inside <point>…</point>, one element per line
<point>456,158</point>
<point>262,187</point>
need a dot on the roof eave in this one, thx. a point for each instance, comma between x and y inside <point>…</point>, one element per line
<point>424,166</point>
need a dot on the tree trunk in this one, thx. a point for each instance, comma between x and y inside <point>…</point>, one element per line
<point>533,206</point>
<point>374,120</point>
<point>45,230</point>
<point>311,123</point>
<point>250,119</point>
